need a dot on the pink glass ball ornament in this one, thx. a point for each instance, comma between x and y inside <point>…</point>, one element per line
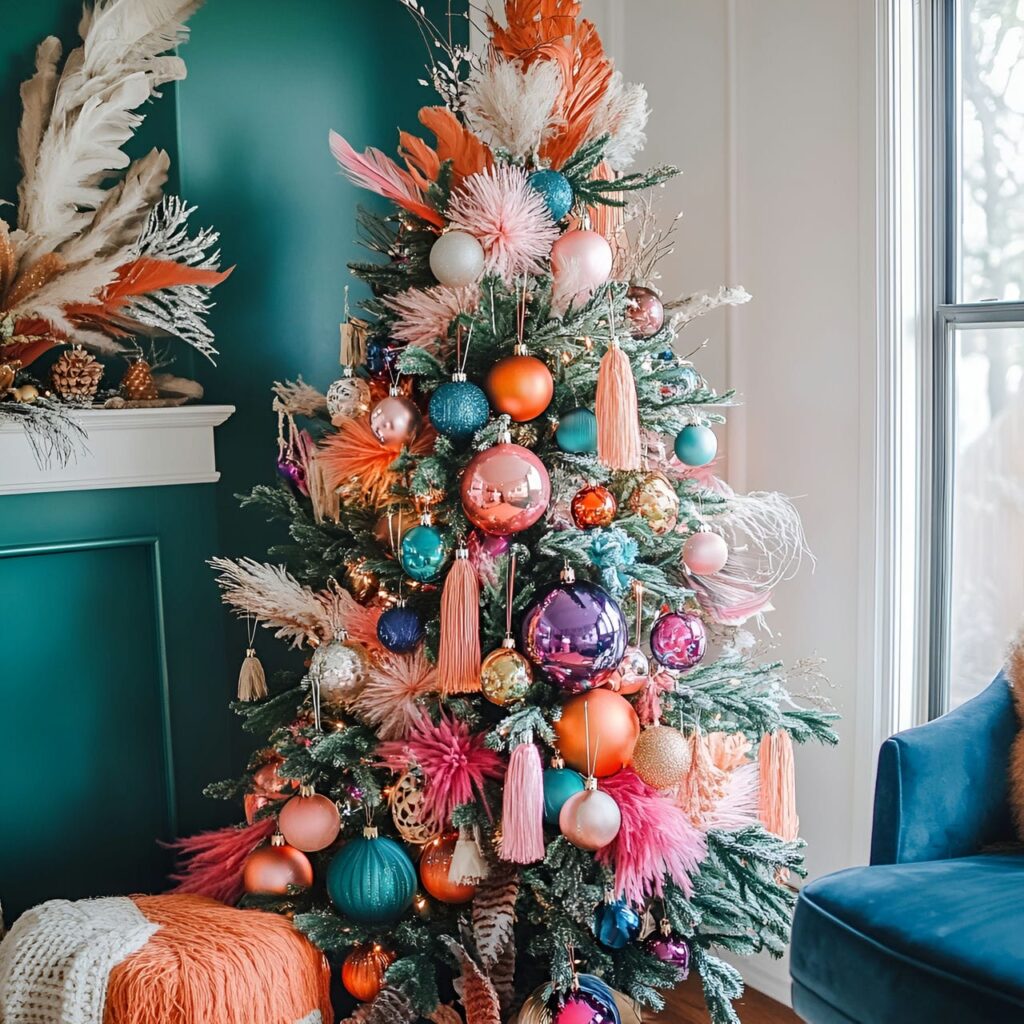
<point>590,819</point>
<point>457,259</point>
<point>395,420</point>
<point>505,489</point>
<point>580,1007</point>
<point>644,311</point>
<point>309,821</point>
<point>581,261</point>
<point>705,553</point>
<point>678,640</point>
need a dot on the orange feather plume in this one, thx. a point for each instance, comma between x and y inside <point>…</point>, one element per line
<point>354,460</point>
<point>529,24</point>
<point>455,142</point>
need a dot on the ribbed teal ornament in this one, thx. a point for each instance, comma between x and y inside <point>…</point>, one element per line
<point>372,879</point>
<point>696,445</point>
<point>458,409</point>
<point>577,432</point>
<point>555,190</point>
<point>423,553</point>
<point>559,785</point>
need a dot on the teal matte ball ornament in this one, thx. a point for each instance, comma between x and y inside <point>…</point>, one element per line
<point>372,879</point>
<point>458,409</point>
<point>423,553</point>
<point>555,190</point>
<point>559,785</point>
<point>696,445</point>
<point>577,432</point>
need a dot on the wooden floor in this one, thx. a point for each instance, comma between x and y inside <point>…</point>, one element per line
<point>686,1006</point>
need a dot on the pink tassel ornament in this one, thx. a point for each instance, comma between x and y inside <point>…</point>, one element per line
<point>211,862</point>
<point>458,661</point>
<point>777,803</point>
<point>522,808</point>
<point>618,417</point>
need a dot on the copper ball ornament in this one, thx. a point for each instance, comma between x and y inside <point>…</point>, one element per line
<point>505,675</point>
<point>593,505</point>
<point>521,386</point>
<point>644,311</point>
<point>269,870</point>
<point>395,420</point>
<point>656,502</point>
<point>363,970</point>
<point>309,821</point>
<point>435,864</point>
<point>505,489</point>
<point>661,756</point>
<point>614,729</point>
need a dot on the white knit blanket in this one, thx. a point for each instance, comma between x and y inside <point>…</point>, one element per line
<point>56,960</point>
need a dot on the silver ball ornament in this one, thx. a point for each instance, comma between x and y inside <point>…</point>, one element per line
<point>338,671</point>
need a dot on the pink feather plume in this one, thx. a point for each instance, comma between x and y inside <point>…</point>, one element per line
<point>377,172</point>
<point>738,805</point>
<point>210,863</point>
<point>656,840</point>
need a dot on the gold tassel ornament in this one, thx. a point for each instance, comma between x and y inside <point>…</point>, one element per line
<point>252,680</point>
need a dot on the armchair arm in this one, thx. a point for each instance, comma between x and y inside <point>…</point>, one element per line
<point>941,789</point>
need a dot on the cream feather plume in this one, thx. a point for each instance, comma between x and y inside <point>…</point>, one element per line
<point>79,284</point>
<point>622,115</point>
<point>37,101</point>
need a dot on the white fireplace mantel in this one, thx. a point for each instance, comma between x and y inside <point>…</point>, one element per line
<point>125,448</point>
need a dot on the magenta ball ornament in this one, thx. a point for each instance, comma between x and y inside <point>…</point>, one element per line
<point>678,640</point>
<point>670,949</point>
<point>505,489</point>
<point>581,261</point>
<point>645,312</point>
<point>590,819</point>
<point>705,553</point>
<point>584,1007</point>
<point>292,471</point>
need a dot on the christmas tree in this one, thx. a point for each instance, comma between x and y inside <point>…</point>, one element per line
<point>537,766</point>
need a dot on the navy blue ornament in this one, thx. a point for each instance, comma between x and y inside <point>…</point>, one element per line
<point>555,190</point>
<point>382,357</point>
<point>696,445</point>
<point>399,629</point>
<point>616,924</point>
<point>422,553</point>
<point>371,879</point>
<point>458,409</point>
<point>577,432</point>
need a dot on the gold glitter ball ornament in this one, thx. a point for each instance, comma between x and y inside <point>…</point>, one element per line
<point>505,675</point>
<point>661,756</point>
<point>656,502</point>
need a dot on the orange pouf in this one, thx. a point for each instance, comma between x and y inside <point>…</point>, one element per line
<point>212,964</point>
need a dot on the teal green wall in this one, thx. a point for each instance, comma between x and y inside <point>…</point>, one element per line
<point>118,658</point>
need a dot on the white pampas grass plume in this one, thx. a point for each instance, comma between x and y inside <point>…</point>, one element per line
<point>701,303</point>
<point>511,108</point>
<point>425,314</point>
<point>36,100</point>
<point>389,702</point>
<point>297,398</point>
<point>508,217</point>
<point>622,115</point>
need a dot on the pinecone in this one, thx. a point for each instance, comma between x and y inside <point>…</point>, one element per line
<point>137,383</point>
<point>76,375</point>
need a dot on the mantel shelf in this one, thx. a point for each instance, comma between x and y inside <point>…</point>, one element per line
<point>126,448</point>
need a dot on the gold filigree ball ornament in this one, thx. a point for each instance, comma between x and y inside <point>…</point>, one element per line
<point>661,756</point>
<point>137,384</point>
<point>656,502</point>
<point>76,375</point>
<point>505,675</point>
<point>347,397</point>
<point>406,800</point>
<point>337,672</point>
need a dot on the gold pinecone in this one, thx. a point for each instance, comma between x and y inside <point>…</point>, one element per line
<point>76,375</point>
<point>137,383</point>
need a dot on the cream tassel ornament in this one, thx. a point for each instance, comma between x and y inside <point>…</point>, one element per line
<point>468,866</point>
<point>252,680</point>
<point>618,416</point>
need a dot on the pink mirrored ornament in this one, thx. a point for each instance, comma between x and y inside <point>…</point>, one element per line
<point>505,489</point>
<point>292,471</point>
<point>645,312</point>
<point>678,640</point>
<point>395,420</point>
<point>705,553</point>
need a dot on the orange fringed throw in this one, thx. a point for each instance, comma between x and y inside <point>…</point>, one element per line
<point>777,802</point>
<point>458,660</point>
<point>212,964</point>
<point>618,416</point>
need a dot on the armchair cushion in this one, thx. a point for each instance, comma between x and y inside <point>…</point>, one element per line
<point>934,941</point>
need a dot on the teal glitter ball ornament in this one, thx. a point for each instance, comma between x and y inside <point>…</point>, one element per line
<point>560,783</point>
<point>696,445</point>
<point>423,553</point>
<point>616,924</point>
<point>372,879</point>
<point>577,432</point>
<point>458,409</point>
<point>555,190</point>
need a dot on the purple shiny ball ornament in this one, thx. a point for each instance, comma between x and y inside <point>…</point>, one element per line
<point>644,311</point>
<point>670,950</point>
<point>575,632</point>
<point>291,471</point>
<point>678,640</point>
<point>581,1007</point>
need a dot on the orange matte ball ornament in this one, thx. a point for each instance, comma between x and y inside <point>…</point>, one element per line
<point>435,864</point>
<point>271,869</point>
<point>520,386</point>
<point>362,972</point>
<point>309,821</point>
<point>613,726</point>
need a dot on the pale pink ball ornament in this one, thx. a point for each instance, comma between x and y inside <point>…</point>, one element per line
<point>590,819</point>
<point>309,821</point>
<point>581,261</point>
<point>705,553</point>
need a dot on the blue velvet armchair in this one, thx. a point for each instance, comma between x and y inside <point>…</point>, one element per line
<point>933,930</point>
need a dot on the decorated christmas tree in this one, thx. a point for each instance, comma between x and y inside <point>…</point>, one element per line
<point>538,766</point>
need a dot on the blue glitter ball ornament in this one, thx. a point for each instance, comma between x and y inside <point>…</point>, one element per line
<point>458,409</point>
<point>422,553</point>
<point>696,445</point>
<point>616,924</point>
<point>372,879</point>
<point>555,190</point>
<point>577,432</point>
<point>399,629</point>
<point>559,785</point>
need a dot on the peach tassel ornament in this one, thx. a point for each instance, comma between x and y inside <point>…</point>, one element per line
<point>777,803</point>
<point>458,661</point>
<point>522,811</point>
<point>616,409</point>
